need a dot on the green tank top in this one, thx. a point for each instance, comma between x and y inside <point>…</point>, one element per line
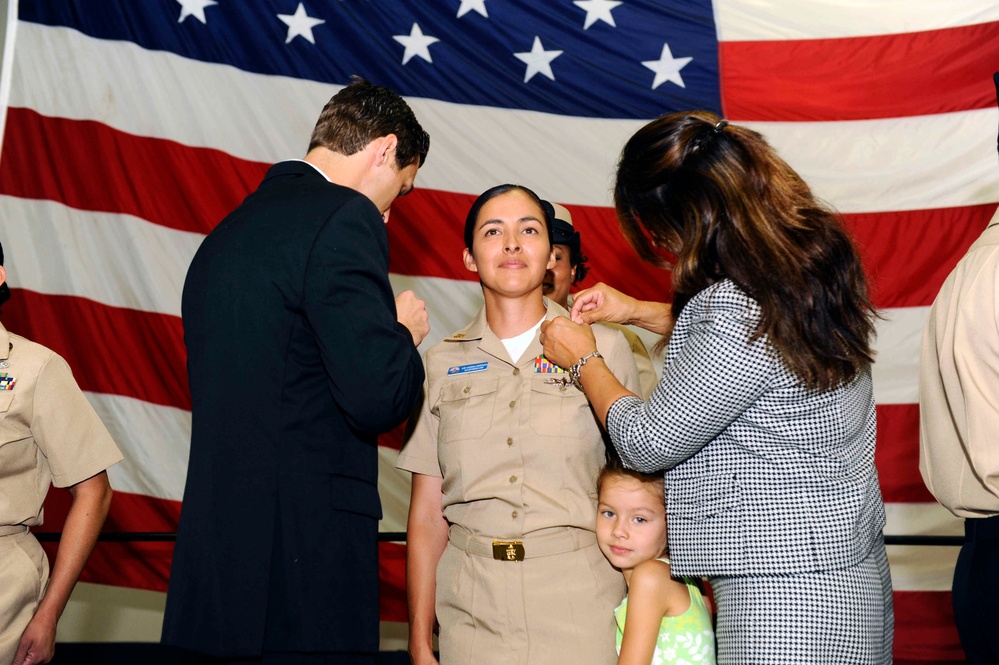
<point>685,638</point>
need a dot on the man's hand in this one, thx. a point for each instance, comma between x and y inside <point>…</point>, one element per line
<point>37,642</point>
<point>412,313</point>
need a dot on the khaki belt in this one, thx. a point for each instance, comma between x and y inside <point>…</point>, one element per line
<point>12,529</point>
<point>557,541</point>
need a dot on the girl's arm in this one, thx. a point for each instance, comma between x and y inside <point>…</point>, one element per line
<point>427,538</point>
<point>652,594</point>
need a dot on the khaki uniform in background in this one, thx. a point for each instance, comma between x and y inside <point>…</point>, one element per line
<point>49,435</point>
<point>519,455</point>
<point>958,385</point>
<point>958,421</point>
<point>647,377</point>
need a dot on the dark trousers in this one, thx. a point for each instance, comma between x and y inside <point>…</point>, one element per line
<point>293,658</point>
<point>976,591</point>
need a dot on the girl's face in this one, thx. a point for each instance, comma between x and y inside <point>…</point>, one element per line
<point>510,249</point>
<point>631,522</point>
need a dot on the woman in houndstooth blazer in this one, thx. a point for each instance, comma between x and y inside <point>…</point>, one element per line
<point>764,418</point>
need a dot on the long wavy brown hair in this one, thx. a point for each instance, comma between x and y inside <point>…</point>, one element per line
<point>718,198</point>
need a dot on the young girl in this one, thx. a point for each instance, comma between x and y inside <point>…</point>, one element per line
<point>662,619</point>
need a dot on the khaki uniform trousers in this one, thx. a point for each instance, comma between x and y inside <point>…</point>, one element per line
<point>546,610</point>
<point>24,573</point>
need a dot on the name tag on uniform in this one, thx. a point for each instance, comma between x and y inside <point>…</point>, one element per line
<point>6,381</point>
<point>468,369</point>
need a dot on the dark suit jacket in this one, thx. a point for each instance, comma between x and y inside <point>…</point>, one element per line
<point>296,361</point>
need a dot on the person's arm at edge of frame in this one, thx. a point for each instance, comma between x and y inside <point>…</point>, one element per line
<point>426,539</point>
<point>91,502</point>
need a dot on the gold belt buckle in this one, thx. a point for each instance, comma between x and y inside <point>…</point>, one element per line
<point>508,550</point>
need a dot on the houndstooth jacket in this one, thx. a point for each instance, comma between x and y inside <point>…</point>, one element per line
<point>762,476</point>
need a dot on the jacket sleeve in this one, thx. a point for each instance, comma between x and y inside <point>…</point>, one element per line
<point>716,376</point>
<point>374,368</point>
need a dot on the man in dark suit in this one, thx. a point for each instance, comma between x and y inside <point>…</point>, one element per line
<point>298,356</point>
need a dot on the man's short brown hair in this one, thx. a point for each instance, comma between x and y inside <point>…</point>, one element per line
<point>361,113</point>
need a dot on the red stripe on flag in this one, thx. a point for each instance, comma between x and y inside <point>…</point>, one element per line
<point>897,454</point>
<point>111,349</point>
<point>138,565</point>
<point>90,166</point>
<point>908,254</point>
<point>903,249</point>
<point>858,78</point>
<point>392,582</point>
<point>426,238</point>
<point>924,628</point>
<point>393,438</point>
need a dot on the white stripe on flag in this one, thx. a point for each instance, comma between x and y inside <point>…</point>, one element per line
<point>766,20</point>
<point>896,365</point>
<point>155,440</point>
<point>913,163</point>
<point>95,255</point>
<point>917,163</point>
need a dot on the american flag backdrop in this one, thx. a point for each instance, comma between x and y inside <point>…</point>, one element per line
<point>132,128</point>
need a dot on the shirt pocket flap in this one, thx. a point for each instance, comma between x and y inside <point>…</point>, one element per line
<point>6,399</point>
<point>459,390</point>
<point>702,497</point>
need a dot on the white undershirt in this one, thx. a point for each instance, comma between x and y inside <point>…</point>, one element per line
<point>516,346</point>
<point>321,172</point>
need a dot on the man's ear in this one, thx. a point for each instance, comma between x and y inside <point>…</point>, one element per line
<point>469,260</point>
<point>385,151</point>
<point>3,275</point>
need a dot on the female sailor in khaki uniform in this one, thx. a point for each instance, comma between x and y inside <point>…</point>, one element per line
<point>504,455</point>
<point>49,435</point>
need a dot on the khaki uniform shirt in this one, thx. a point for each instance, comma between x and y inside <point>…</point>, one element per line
<point>959,385</point>
<point>49,432</point>
<point>517,453</point>
<point>647,377</point>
